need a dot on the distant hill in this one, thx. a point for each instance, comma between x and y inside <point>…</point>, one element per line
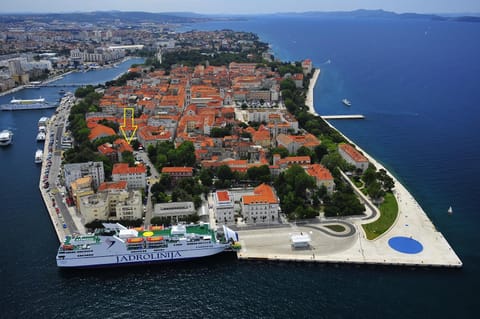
<point>107,16</point>
<point>379,14</point>
<point>134,17</point>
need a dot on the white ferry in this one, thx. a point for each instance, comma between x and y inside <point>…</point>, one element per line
<point>116,245</point>
<point>33,104</point>
<point>38,156</point>
<point>32,101</point>
<point>6,137</point>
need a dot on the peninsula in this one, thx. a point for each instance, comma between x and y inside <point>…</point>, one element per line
<point>229,139</point>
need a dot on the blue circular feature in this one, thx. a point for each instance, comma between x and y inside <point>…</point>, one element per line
<point>405,245</point>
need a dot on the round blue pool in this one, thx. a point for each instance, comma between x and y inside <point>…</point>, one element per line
<point>405,245</point>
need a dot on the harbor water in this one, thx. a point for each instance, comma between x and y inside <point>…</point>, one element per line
<point>414,80</point>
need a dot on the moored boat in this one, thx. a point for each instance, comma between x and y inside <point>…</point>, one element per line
<point>41,136</point>
<point>38,156</point>
<point>6,137</point>
<point>116,245</point>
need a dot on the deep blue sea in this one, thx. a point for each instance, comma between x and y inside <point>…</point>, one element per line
<point>417,83</point>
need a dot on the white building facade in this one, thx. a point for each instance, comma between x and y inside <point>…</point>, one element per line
<point>74,171</point>
<point>223,207</point>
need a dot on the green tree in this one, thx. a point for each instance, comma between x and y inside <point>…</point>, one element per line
<point>259,173</point>
<point>288,84</point>
<point>375,190</point>
<point>224,173</point>
<point>185,154</point>
<point>369,176</point>
<point>127,157</point>
<point>305,151</point>
<point>280,150</point>
<point>206,177</point>
<point>320,151</point>
<point>165,180</point>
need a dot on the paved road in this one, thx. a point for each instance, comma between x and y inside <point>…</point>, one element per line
<point>58,127</point>
<point>153,177</point>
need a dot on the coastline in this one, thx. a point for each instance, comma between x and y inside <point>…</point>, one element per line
<point>13,90</point>
<point>410,213</point>
<point>60,76</point>
<point>351,246</point>
<point>311,86</point>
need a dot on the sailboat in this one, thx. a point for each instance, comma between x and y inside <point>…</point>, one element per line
<point>450,210</point>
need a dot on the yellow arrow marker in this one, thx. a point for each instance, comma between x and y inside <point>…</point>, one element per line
<point>128,113</point>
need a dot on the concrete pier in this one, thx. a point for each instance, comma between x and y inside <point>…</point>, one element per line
<point>274,244</point>
<point>343,117</point>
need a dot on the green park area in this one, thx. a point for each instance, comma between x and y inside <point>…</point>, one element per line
<point>388,215</point>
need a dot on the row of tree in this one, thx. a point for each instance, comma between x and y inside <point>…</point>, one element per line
<point>166,155</point>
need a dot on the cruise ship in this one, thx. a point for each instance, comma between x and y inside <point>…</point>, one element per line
<point>38,156</point>
<point>116,245</point>
<point>6,137</point>
<point>33,104</point>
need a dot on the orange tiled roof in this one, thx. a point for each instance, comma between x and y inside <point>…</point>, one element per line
<point>106,149</point>
<point>123,145</point>
<point>112,185</point>
<point>262,194</point>
<point>223,196</point>
<point>319,172</point>
<point>353,153</point>
<point>124,169</point>
<point>169,170</point>
<point>152,133</point>
<point>100,131</point>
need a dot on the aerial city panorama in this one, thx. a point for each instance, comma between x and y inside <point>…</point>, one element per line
<point>308,159</point>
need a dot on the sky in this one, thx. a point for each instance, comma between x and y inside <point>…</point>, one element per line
<point>239,6</point>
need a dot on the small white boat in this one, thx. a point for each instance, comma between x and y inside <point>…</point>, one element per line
<point>450,210</point>
<point>6,137</point>
<point>347,102</point>
<point>38,156</point>
<point>41,136</point>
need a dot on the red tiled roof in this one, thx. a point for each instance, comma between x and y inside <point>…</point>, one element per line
<point>124,169</point>
<point>106,149</point>
<point>100,131</point>
<point>262,194</point>
<point>112,185</point>
<point>223,196</point>
<point>319,172</point>
<point>353,153</point>
<point>168,170</point>
<point>123,145</point>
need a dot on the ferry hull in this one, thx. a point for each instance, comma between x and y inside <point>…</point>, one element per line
<point>138,258</point>
<point>22,107</point>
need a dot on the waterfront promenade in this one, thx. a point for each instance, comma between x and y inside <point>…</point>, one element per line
<point>311,86</point>
<point>412,224</point>
<point>64,218</point>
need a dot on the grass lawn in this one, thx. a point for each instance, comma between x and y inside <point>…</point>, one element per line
<point>336,228</point>
<point>388,214</point>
